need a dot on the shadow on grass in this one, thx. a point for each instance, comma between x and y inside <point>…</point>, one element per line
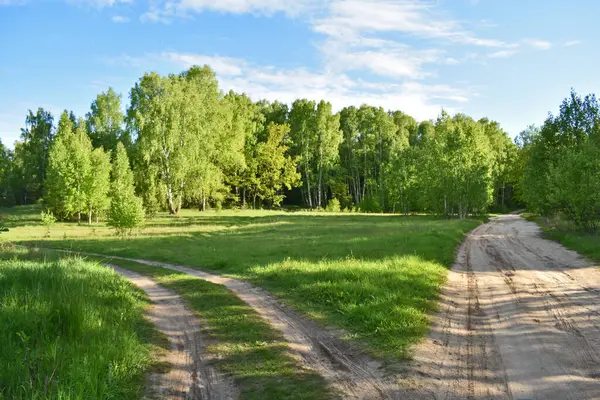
<point>377,276</point>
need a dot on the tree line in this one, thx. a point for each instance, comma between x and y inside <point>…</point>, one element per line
<point>182,142</point>
<point>560,163</point>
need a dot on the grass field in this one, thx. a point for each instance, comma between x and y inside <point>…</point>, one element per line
<point>71,329</point>
<point>565,233</point>
<point>375,276</point>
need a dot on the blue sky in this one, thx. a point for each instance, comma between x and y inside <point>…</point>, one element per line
<point>509,60</point>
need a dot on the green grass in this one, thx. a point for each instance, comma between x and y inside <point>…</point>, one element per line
<point>557,229</point>
<point>245,346</point>
<point>71,329</point>
<point>375,276</point>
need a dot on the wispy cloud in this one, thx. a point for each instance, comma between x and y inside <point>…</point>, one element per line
<point>502,54</point>
<point>119,19</point>
<point>572,43</point>
<point>410,17</point>
<point>421,100</point>
<point>537,44</point>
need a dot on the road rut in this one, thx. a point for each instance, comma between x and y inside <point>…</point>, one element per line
<point>190,377</point>
<point>519,319</point>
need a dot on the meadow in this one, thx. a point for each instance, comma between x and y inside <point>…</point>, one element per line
<point>375,276</point>
<point>71,329</point>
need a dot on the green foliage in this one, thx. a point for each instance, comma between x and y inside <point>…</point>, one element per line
<point>48,219</point>
<point>33,151</point>
<point>192,145</point>
<point>561,163</point>
<point>105,121</point>
<point>69,170</point>
<point>270,170</point>
<point>333,205</point>
<point>126,210</point>
<point>70,329</point>
<point>370,205</point>
<point>97,184</point>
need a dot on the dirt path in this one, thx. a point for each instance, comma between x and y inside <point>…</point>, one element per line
<point>519,319</point>
<point>351,373</point>
<point>190,376</point>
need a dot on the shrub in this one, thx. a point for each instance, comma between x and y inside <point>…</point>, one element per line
<point>48,219</point>
<point>333,205</point>
<point>126,213</point>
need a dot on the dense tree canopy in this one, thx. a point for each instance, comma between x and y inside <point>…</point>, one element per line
<point>191,145</point>
<point>561,163</point>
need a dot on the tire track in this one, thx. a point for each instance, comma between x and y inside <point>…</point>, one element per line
<point>191,376</point>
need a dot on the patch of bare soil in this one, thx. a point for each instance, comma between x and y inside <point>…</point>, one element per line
<point>190,376</point>
<point>519,319</point>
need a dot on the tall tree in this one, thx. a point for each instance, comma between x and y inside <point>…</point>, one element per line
<point>327,141</point>
<point>105,121</point>
<point>69,169</point>
<point>126,211</point>
<point>271,169</point>
<point>37,138</point>
<point>6,198</point>
<point>303,136</point>
<point>97,184</point>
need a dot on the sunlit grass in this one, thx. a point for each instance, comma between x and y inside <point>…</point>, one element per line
<point>375,276</point>
<point>70,329</point>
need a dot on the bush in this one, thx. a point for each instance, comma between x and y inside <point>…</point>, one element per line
<point>126,213</point>
<point>48,219</point>
<point>369,205</point>
<point>333,205</point>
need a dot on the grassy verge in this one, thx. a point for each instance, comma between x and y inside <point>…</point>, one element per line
<point>245,346</point>
<point>563,232</point>
<point>71,329</point>
<point>375,276</point>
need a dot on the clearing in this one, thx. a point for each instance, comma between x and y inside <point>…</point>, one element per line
<point>517,317</point>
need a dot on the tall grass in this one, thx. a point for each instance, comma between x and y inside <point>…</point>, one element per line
<point>70,329</point>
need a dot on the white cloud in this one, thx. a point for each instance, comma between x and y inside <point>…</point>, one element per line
<point>412,17</point>
<point>267,82</point>
<point>224,66</point>
<point>502,54</point>
<point>119,19</point>
<point>572,43</point>
<point>538,44</point>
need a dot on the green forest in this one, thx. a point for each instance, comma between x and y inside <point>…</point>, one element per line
<point>183,142</point>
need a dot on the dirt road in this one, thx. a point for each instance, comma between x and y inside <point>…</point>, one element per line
<point>519,319</point>
<point>190,375</point>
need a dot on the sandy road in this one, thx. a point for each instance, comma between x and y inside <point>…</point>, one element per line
<point>519,319</point>
<point>191,375</point>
